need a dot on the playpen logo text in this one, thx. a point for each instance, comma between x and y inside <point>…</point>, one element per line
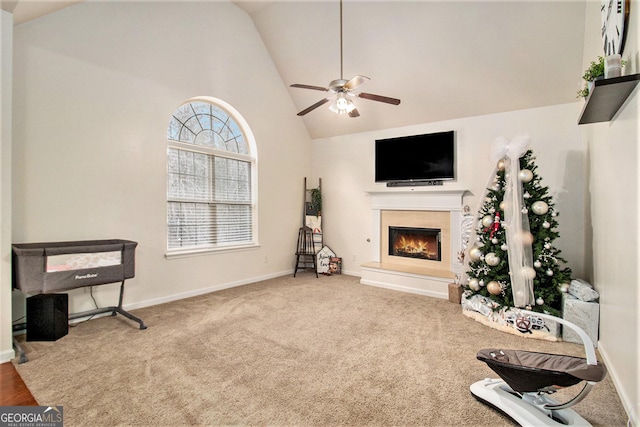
<point>31,416</point>
<point>86,276</point>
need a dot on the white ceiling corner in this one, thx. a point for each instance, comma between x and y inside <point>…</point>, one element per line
<point>444,59</point>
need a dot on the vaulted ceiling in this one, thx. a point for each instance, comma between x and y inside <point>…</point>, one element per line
<point>444,59</point>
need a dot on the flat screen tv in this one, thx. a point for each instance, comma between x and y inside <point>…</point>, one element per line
<point>427,157</point>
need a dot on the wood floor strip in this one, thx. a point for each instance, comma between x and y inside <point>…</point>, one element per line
<point>13,391</point>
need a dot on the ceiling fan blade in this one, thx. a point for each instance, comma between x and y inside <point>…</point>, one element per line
<point>355,82</point>
<point>313,107</point>
<point>324,89</point>
<point>354,113</point>
<point>379,98</point>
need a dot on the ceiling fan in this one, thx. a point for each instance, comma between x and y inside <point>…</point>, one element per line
<point>343,90</point>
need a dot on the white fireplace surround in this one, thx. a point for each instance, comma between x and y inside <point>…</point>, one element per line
<point>415,280</point>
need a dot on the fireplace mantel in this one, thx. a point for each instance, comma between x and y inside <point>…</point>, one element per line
<point>433,200</point>
<point>381,274</point>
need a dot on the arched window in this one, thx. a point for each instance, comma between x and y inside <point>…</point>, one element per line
<point>211,172</point>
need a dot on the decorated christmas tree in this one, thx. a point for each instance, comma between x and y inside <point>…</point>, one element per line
<point>512,259</point>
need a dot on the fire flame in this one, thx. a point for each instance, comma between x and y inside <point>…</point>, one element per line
<point>412,245</point>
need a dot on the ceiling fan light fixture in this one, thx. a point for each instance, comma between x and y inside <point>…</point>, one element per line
<point>342,105</point>
<point>341,88</point>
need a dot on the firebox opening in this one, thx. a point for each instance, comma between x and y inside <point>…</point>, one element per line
<point>410,242</point>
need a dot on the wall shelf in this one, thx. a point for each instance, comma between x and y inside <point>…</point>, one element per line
<point>606,98</point>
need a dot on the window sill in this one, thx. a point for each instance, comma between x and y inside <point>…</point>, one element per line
<point>184,253</point>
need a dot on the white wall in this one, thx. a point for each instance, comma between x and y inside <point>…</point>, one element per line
<point>94,88</point>
<point>345,165</point>
<point>95,84</point>
<point>6,52</point>
<point>614,185</point>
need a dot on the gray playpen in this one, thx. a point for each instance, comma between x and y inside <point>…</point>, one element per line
<point>43,268</point>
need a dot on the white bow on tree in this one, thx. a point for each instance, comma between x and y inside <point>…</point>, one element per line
<point>516,220</point>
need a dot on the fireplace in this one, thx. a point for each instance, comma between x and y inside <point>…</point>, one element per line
<point>415,242</point>
<point>419,238</point>
<point>415,208</point>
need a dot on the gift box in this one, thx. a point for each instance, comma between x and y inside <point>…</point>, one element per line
<point>455,293</point>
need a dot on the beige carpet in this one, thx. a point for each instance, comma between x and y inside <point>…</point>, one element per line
<point>284,352</point>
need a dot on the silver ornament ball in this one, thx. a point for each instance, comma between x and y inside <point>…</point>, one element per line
<point>492,259</point>
<point>475,253</point>
<point>528,272</point>
<point>525,175</point>
<point>540,207</point>
<point>494,287</point>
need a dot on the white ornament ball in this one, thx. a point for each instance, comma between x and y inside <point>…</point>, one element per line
<point>494,241</point>
<point>549,272</point>
<point>547,245</point>
<point>537,264</point>
<point>475,253</point>
<point>526,238</point>
<point>501,164</point>
<point>492,259</point>
<point>528,272</point>
<point>539,301</point>
<point>487,220</point>
<point>546,224</point>
<point>494,287</point>
<point>525,175</point>
<point>553,214</point>
<point>526,195</point>
<point>504,247</point>
<point>563,287</point>
<point>473,284</point>
<point>540,207</point>
<point>481,282</point>
<point>525,210</point>
<point>502,205</point>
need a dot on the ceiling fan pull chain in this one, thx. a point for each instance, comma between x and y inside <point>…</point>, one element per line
<point>343,89</point>
<point>341,69</point>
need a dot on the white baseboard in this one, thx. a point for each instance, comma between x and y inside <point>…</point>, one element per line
<point>202,291</point>
<point>7,355</point>
<point>407,289</point>
<point>421,284</point>
<point>631,408</point>
<point>351,273</point>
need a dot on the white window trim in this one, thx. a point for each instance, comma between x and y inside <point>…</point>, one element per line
<point>178,253</point>
<point>185,253</point>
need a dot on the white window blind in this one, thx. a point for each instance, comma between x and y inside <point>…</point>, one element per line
<point>209,179</point>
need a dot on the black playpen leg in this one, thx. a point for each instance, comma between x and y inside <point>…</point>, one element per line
<point>22,357</point>
<point>120,310</point>
<point>114,310</point>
